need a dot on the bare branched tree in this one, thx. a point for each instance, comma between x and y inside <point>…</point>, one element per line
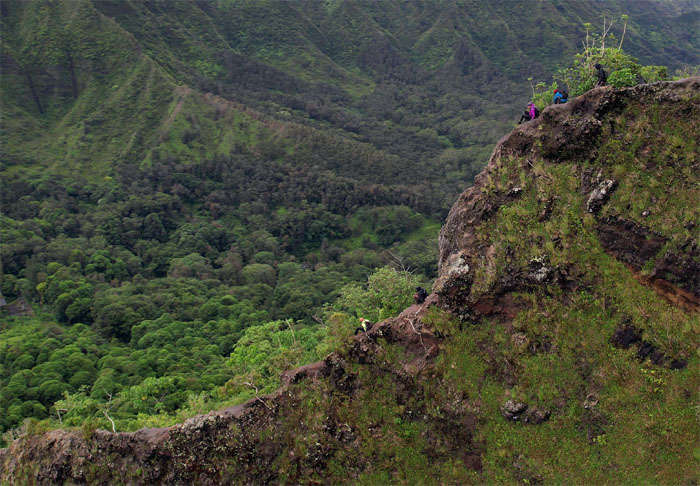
<point>406,269</point>
<point>257,397</point>
<point>58,412</point>
<point>109,405</point>
<point>606,29</point>
<point>624,29</point>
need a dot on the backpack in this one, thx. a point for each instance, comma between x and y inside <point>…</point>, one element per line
<point>564,94</point>
<point>537,112</point>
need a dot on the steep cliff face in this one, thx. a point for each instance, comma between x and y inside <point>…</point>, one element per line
<point>560,343</point>
<point>623,161</point>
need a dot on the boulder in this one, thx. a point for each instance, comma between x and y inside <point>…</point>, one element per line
<point>600,195</point>
<point>513,410</point>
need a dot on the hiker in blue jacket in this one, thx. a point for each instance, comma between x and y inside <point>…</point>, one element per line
<point>560,96</point>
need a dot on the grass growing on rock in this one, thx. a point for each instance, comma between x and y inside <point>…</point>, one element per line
<point>567,356</point>
<point>613,415</point>
<point>655,151</point>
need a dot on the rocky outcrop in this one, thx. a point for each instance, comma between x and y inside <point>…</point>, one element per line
<point>19,307</point>
<point>600,195</point>
<point>567,133</point>
<point>675,275</point>
<point>521,412</point>
<point>628,335</point>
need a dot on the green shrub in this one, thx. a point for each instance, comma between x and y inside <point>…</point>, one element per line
<point>622,77</point>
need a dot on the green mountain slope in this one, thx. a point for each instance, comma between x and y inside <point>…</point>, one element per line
<point>71,78</point>
<point>560,344</point>
<point>190,175</point>
<point>311,58</point>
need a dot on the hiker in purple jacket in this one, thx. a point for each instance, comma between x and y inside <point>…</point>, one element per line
<point>530,114</point>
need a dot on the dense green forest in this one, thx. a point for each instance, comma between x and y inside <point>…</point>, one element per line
<point>197,195</point>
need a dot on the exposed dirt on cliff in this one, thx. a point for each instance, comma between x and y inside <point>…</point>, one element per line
<point>675,295</point>
<point>675,276</point>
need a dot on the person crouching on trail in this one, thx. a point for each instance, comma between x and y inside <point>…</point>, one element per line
<point>365,326</point>
<point>560,96</point>
<point>530,114</point>
<point>420,295</point>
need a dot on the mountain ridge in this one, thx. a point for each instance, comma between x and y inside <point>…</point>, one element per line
<point>338,420</point>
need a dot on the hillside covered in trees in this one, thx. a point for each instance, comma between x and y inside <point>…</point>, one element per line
<point>197,196</point>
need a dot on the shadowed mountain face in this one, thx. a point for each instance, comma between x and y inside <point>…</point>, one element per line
<point>544,334</point>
